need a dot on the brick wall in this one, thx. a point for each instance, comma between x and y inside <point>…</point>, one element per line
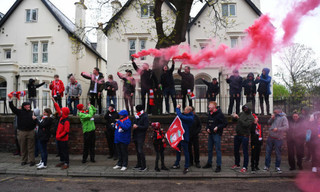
<point>7,142</point>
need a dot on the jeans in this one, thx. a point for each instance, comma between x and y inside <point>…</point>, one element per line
<point>44,152</point>
<point>232,98</point>
<point>63,151</point>
<point>141,159</point>
<point>184,145</point>
<point>36,146</point>
<point>277,144</point>
<point>93,98</point>
<point>113,99</point>
<point>214,139</point>
<point>89,141</point>
<point>34,101</point>
<point>238,140</point>
<point>75,101</point>
<point>170,92</point>
<point>194,141</point>
<point>122,154</point>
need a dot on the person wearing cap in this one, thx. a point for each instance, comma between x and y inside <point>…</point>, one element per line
<point>32,91</point>
<point>235,83</point>
<point>26,134</point>
<point>187,84</point>
<point>213,89</point>
<point>88,129</point>
<point>73,93</point>
<point>159,143</point>
<point>140,127</point>
<point>245,121</point>
<point>148,81</point>
<point>129,86</point>
<point>250,90</point>
<point>122,137</point>
<point>110,117</point>
<point>111,88</point>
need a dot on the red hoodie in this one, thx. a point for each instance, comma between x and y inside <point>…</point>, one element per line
<point>57,87</point>
<point>64,125</point>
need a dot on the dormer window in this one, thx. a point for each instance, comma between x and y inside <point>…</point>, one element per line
<point>146,10</point>
<point>229,9</point>
<point>31,15</point>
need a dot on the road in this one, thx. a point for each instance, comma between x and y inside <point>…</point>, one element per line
<point>78,184</point>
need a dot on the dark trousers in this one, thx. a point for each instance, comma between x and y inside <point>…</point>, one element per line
<point>252,99</point>
<point>308,155</point>
<point>295,149</point>
<point>255,153</point>
<point>44,152</point>
<point>170,92</point>
<point>158,147</point>
<point>183,144</point>
<point>238,140</point>
<point>185,96</point>
<point>264,97</point>
<point>58,100</point>
<point>95,98</point>
<point>16,140</point>
<point>89,143</point>
<point>75,101</point>
<point>110,139</point>
<point>122,154</point>
<point>231,103</point>
<point>315,153</point>
<point>36,146</point>
<point>194,141</point>
<point>63,151</point>
<point>141,159</point>
<point>145,92</point>
<point>128,100</point>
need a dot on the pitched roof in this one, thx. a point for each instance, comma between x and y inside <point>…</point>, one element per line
<point>63,20</point>
<point>123,9</point>
<point>1,15</point>
<point>249,2</point>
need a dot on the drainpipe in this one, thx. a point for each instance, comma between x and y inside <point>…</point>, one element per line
<point>220,73</point>
<point>17,85</point>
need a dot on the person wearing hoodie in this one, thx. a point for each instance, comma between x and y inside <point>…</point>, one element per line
<point>187,120</point>
<point>195,129</point>
<point>213,89</point>
<point>167,86</point>
<point>245,121</point>
<point>129,86</point>
<point>122,137</point>
<point>62,135</point>
<point>57,88</point>
<point>250,90</point>
<point>215,124</point>
<point>187,84</point>
<point>264,89</point>
<point>26,125</point>
<point>96,87</point>
<point>140,127</point>
<point>235,83</point>
<point>32,91</point>
<point>73,93</point>
<point>279,126</point>
<point>110,118</point>
<point>43,136</point>
<point>256,143</point>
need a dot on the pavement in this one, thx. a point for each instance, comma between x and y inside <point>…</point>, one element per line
<point>10,165</point>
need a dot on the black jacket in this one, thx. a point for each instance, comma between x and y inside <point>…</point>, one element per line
<point>216,119</point>
<point>296,131</point>
<point>254,135</point>
<point>25,121</point>
<point>235,84</point>
<point>100,82</point>
<point>139,134</point>
<point>147,78</point>
<point>245,122</point>
<point>111,85</point>
<point>212,88</point>
<point>196,127</point>
<point>187,80</point>
<point>249,86</point>
<point>44,127</point>
<point>166,79</point>
<point>110,118</point>
<point>32,88</point>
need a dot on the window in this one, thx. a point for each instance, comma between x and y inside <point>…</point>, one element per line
<point>203,45</point>
<point>201,88</point>
<point>31,15</point>
<point>3,88</point>
<point>234,41</point>
<point>7,53</point>
<point>147,11</point>
<point>45,52</point>
<point>142,47</point>
<point>228,9</point>
<point>132,47</point>
<point>35,52</point>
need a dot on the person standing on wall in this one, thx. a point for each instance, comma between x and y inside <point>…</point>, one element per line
<point>111,88</point>
<point>264,89</point>
<point>213,89</point>
<point>32,91</point>
<point>57,88</point>
<point>73,93</point>
<point>250,90</point>
<point>129,87</point>
<point>187,85</point>
<point>167,86</point>
<point>235,87</point>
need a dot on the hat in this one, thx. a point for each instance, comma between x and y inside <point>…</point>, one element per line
<point>128,71</point>
<point>123,113</point>
<point>156,125</point>
<point>80,106</point>
<point>112,105</point>
<point>139,108</point>
<point>214,79</point>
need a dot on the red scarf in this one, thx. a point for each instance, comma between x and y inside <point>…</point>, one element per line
<point>121,120</point>
<point>139,114</point>
<point>83,111</point>
<point>56,87</point>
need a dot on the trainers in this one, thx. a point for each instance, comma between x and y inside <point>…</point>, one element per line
<point>157,169</point>
<point>137,167</point>
<point>23,163</point>
<point>143,169</point>
<point>266,168</point>
<point>42,166</point>
<point>243,170</point>
<point>164,168</point>
<point>198,165</point>
<point>235,167</point>
<point>278,170</point>
<point>175,167</point>
<point>253,170</point>
<point>207,166</point>
<point>314,170</point>
<point>39,163</point>
<point>257,168</point>
<point>218,169</point>
<point>59,164</point>
<point>117,167</point>
<point>65,166</point>
<point>123,168</point>
<point>185,171</point>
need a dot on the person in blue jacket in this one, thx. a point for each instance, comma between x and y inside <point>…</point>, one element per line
<point>264,89</point>
<point>122,136</point>
<point>187,121</point>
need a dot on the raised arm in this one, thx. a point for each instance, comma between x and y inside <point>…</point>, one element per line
<point>86,75</point>
<point>39,85</point>
<point>172,67</point>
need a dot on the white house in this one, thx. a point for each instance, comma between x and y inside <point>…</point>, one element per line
<point>132,29</point>
<point>37,41</point>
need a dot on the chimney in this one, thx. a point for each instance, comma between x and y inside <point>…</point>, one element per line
<point>116,6</point>
<point>80,14</point>
<point>101,40</point>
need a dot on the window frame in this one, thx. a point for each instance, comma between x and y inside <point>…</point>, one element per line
<point>133,50</point>
<point>140,47</point>
<point>150,8</point>
<point>33,53</point>
<point>228,13</point>
<point>29,17</point>
<point>236,38</point>
<point>44,52</point>
<point>6,51</point>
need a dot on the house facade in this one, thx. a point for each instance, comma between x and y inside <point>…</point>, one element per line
<point>37,41</point>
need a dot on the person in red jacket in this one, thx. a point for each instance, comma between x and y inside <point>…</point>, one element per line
<point>57,89</point>
<point>62,135</point>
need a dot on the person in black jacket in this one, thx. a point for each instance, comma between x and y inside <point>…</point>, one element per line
<point>187,85</point>
<point>148,81</point>
<point>167,85</point>
<point>213,89</point>
<point>140,127</point>
<point>216,123</point>
<point>250,90</point>
<point>194,140</point>
<point>256,143</point>
<point>43,136</point>
<point>110,118</point>
<point>26,125</point>
<point>159,144</point>
<point>32,92</point>
<point>235,83</point>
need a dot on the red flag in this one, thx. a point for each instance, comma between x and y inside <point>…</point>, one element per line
<point>175,133</point>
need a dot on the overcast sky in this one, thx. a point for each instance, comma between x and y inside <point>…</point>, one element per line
<point>308,33</point>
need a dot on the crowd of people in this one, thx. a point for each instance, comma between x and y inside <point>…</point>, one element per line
<point>34,131</point>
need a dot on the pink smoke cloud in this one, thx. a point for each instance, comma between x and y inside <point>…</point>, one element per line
<point>308,182</point>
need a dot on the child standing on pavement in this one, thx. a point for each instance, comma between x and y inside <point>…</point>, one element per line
<point>159,144</point>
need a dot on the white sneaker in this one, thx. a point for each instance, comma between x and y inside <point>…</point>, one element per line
<point>42,166</point>
<point>314,169</point>
<point>117,167</point>
<point>123,168</point>
<point>278,170</point>
<point>39,163</point>
<point>266,168</point>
